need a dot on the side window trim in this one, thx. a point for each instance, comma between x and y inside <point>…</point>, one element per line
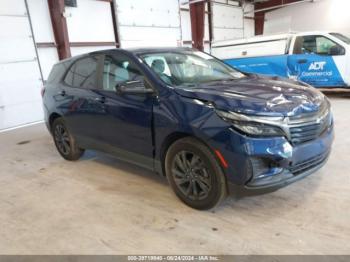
<point>99,72</point>
<point>66,73</point>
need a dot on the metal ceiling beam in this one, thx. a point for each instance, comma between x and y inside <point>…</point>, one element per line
<point>60,30</point>
<point>197,14</point>
<point>278,6</point>
<point>115,23</point>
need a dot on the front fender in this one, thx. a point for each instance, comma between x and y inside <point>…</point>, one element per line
<point>187,116</point>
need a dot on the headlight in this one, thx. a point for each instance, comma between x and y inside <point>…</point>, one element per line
<point>253,125</point>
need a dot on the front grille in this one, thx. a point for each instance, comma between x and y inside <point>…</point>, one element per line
<point>307,128</point>
<point>308,132</point>
<point>310,163</point>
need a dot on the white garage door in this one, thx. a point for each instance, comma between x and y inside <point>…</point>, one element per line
<point>150,23</point>
<point>20,78</point>
<point>227,20</point>
<point>90,22</point>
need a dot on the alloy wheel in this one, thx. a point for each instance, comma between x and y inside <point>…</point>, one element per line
<point>62,139</point>
<point>191,176</point>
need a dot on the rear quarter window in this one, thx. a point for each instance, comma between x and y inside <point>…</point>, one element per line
<point>83,73</point>
<point>57,73</point>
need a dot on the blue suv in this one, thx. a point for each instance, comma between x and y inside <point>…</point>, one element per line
<point>189,117</point>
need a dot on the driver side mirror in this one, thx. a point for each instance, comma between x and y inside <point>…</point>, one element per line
<point>336,50</point>
<point>133,88</point>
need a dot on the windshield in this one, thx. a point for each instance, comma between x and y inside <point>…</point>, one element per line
<point>188,68</point>
<point>343,38</point>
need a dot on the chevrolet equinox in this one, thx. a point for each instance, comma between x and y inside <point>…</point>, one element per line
<point>188,116</point>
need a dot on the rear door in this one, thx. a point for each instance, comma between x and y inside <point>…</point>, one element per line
<point>317,60</point>
<point>79,94</point>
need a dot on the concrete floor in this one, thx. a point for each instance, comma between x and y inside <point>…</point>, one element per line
<point>99,205</point>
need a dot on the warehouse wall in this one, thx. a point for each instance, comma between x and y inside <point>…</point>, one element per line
<point>227,21</point>
<point>42,29</point>
<point>248,23</point>
<point>90,27</point>
<point>186,34</point>
<point>148,23</point>
<point>91,22</point>
<point>20,76</point>
<point>306,17</point>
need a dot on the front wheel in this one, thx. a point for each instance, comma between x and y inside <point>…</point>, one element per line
<point>195,174</point>
<point>65,142</point>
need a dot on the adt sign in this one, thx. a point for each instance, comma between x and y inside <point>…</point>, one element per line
<point>317,65</point>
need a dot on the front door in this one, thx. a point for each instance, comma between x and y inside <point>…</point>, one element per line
<point>125,127</point>
<point>317,60</point>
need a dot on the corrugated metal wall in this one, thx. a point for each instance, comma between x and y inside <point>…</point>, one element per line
<point>148,23</point>
<point>20,77</point>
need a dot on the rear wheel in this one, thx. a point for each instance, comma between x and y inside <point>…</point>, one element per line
<point>194,174</point>
<point>64,141</point>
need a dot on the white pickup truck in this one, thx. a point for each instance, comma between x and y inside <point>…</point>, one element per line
<point>321,59</point>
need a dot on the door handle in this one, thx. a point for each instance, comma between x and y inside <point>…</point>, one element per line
<point>302,61</point>
<point>100,99</point>
<point>62,93</point>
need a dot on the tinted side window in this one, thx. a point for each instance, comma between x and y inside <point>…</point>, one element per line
<point>57,73</point>
<point>83,73</point>
<point>119,69</point>
<point>316,44</point>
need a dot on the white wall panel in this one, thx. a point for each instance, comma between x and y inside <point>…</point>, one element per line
<point>13,7</point>
<point>41,21</point>
<point>14,92</point>
<point>227,22</point>
<point>249,24</point>
<point>226,34</point>
<point>16,49</point>
<point>206,27</point>
<point>164,5</point>
<point>91,21</point>
<point>43,32</point>
<point>225,16</point>
<point>47,57</point>
<point>185,25</point>
<point>16,40</point>
<point>14,27</point>
<point>20,78</point>
<point>149,33</point>
<point>325,15</point>
<point>88,49</point>
<point>230,2</point>
<point>20,114</point>
<point>148,23</point>
<point>148,17</point>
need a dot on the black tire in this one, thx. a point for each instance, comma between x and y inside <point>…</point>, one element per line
<point>64,141</point>
<point>199,181</point>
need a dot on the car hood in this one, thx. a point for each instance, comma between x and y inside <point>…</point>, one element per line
<point>257,95</point>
